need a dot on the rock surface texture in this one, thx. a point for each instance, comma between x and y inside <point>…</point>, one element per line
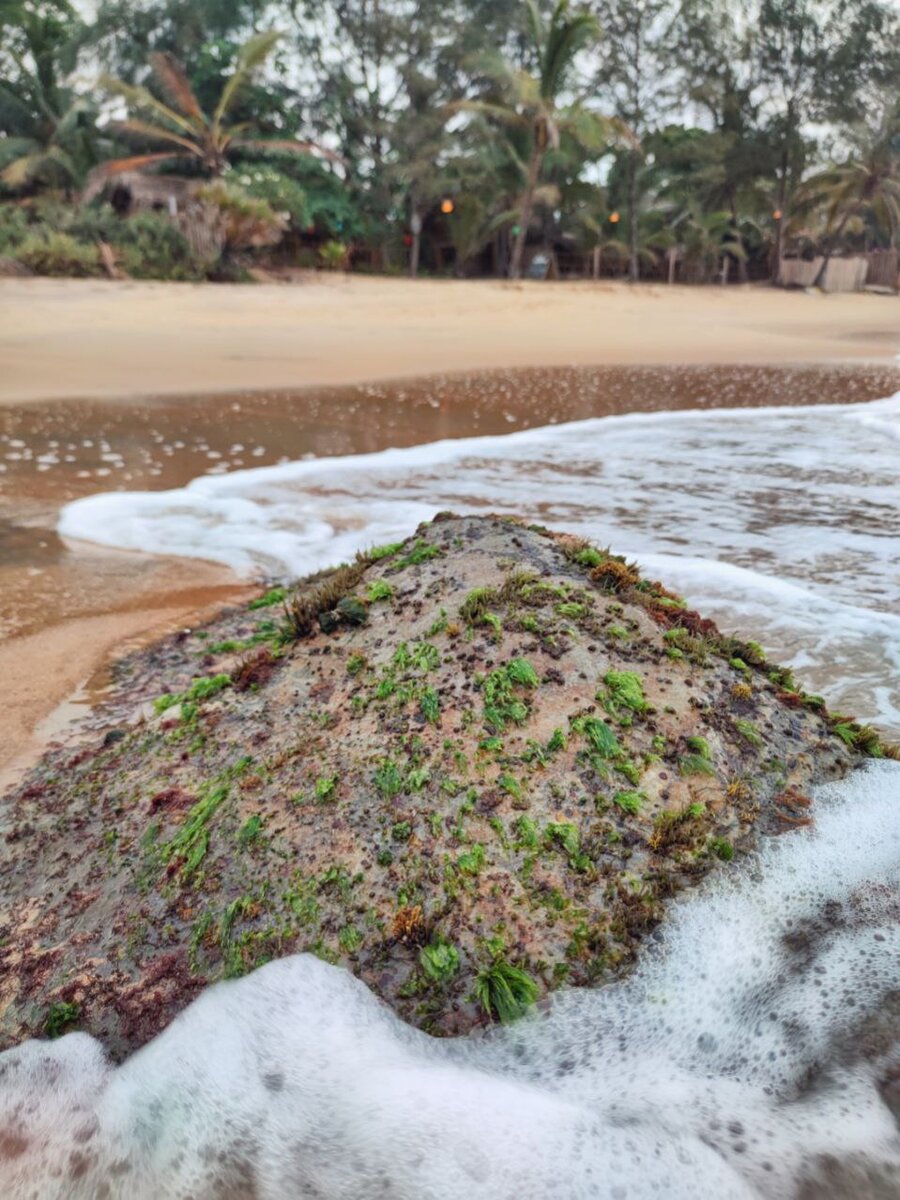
<point>472,767</point>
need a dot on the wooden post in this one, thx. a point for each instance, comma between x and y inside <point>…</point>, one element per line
<point>596,262</point>
<point>671,255</point>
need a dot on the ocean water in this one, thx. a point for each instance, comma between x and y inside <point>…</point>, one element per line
<point>754,1053</point>
<point>781,522</point>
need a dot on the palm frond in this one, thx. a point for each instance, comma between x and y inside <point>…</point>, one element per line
<point>252,55</point>
<point>284,146</point>
<point>495,112</point>
<point>25,170</point>
<point>157,133</point>
<point>567,35</point>
<point>142,99</point>
<point>175,83</point>
<point>535,24</point>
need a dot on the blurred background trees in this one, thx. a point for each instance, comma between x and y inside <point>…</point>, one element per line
<point>643,138</point>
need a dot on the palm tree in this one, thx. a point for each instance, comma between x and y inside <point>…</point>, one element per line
<point>866,182</point>
<point>704,237</point>
<point>187,132</point>
<point>530,104</point>
<point>646,244</point>
<point>50,132</point>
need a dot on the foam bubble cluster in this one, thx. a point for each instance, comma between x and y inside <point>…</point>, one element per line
<point>754,1053</point>
<point>783,516</point>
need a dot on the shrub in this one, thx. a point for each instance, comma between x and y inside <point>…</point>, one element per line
<point>152,249</point>
<point>242,221</point>
<point>334,256</point>
<point>279,191</point>
<point>148,245</point>
<point>13,228</point>
<point>48,252</point>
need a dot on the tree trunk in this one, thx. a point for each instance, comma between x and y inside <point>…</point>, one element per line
<point>415,224</point>
<point>518,254</point>
<point>414,255</point>
<point>634,262</point>
<point>741,262</point>
<point>779,222</point>
<point>832,244</point>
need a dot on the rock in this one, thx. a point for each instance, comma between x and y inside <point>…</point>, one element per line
<point>480,777</point>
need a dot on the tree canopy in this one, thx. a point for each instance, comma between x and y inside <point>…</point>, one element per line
<point>462,135</point>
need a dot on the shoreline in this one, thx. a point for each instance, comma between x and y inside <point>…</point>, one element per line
<point>55,676</point>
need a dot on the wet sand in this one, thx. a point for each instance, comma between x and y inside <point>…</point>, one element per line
<point>65,609</point>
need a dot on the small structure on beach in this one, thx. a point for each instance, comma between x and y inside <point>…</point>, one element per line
<point>136,191</point>
<point>877,269</point>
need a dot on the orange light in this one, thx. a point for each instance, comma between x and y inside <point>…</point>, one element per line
<point>777,214</point>
<point>447,206</point>
<point>614,218</point>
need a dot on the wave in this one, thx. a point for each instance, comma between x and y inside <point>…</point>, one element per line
<point>755,1052</point>
<point>802,501</point>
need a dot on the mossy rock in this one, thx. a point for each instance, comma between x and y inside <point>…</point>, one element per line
<point>466,812</point>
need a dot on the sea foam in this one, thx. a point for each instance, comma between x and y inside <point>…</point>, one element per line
<point>782,522</point>
<point>755,1052</point>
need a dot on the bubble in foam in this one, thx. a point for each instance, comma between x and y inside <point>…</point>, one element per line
<point>754,1053</point>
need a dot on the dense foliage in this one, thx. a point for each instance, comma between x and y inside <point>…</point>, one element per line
<point>622,136</point>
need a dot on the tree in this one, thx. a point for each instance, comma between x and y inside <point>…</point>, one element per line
<point>739,150</point>
<point>869,181</point>
<point>50,133</point>
<point>636,49</point>
<point>704,238</point>
<point>530,103</point>
<point>815,60</point>
<point>188,133</point>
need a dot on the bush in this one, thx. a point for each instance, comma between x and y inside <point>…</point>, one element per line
<point>13,228</point>
<point>280,192</point>
<point>149,246</point>
<point>48,252</point>
<point>334,256</point>
<point>243,222</point>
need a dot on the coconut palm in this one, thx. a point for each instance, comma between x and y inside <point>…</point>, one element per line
<point>49,130</point>
<point>648,245</point>
<point>703,238</point>
<point>187,133</point>
<point>530,104</point>
<point>868,181</point>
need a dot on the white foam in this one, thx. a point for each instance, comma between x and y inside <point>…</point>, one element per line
<point>806,497</point>
<point>743,1059</point>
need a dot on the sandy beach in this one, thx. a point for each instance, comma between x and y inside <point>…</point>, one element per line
<point>145,386</point>
<point>72,338</point>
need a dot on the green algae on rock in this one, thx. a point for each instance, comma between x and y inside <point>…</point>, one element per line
<point>471,767</point>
